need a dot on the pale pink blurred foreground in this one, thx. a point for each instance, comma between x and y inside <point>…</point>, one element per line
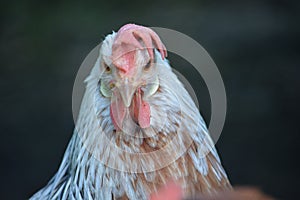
<point>172,191</point>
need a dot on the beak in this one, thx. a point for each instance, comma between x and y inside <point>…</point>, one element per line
<point>126,90</point>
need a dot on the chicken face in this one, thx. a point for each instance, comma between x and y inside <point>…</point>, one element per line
<point>130,76</point>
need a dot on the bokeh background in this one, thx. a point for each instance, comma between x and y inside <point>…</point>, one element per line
<point>255,44</point>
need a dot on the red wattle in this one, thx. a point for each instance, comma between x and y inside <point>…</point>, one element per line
<point>140,111</point>
<point>143,111</point>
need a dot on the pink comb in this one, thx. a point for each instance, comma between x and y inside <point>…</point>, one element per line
<point>130,34</point>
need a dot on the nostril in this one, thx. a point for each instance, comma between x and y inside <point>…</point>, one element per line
<point>122,70</point>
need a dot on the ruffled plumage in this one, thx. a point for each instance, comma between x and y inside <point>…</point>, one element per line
<point>86,173</point>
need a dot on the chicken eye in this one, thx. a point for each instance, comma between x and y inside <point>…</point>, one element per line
<point>106,90</point>
<point>107,68</point>
<point>148,66</point>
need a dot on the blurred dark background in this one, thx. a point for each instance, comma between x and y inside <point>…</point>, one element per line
<point>255,44</point>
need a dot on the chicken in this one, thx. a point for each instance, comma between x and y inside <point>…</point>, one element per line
<point>137,129</point>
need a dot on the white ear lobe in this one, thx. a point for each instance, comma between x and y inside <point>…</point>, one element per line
<point>105,90</point>
<point>151,88</point>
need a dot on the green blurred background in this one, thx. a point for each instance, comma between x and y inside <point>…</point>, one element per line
<point>255,44</point>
